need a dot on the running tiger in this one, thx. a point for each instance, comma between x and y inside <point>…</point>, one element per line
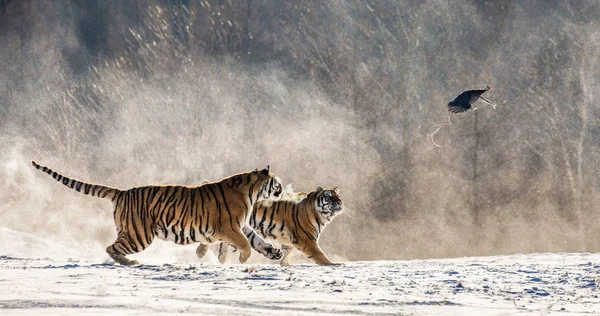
<point>209,213</point>
<point>295,222</point>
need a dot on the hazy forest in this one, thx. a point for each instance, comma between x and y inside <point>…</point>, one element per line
<point>328,93</point>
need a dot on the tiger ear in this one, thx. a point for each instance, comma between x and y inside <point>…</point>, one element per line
<point>336,190</point>
<point>319,189</point>
<point>266,171</point>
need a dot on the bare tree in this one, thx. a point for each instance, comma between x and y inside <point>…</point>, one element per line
<point>559,109</point>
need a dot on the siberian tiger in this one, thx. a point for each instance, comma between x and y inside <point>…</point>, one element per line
<point>295,222</point>
<point>209,213</point>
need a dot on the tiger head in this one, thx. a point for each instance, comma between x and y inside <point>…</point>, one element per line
<point>271,188</point>
<point>328,202</point>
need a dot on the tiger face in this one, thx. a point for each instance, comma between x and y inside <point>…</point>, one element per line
<point>271,188</point>
<point>328,202</point>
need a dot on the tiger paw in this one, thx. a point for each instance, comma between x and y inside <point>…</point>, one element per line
<point>222,257</point>
<point>131,263</point>
<point>273,253</point>
<point>330,264</point>
<point>244,256</point>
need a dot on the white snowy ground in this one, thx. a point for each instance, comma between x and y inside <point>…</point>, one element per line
<point>71,281</point>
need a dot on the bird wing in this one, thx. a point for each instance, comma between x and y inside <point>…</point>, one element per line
<point>464,95</point>
<point>457,107</point>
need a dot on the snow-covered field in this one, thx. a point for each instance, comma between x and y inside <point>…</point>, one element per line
<point>67,280</point>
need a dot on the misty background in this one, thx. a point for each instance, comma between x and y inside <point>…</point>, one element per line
<point>328,93</point>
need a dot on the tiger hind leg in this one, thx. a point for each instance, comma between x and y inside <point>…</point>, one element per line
<point>201,250</point>
<point>118,257</point>
<point>121,247</point>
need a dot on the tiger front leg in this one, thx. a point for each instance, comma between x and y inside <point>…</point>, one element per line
<point>285,260</point>
<point>313,252</point>
<point>201,250</point>
<point>260,245</point>
<point>237,239</point>
<point>223,250</point>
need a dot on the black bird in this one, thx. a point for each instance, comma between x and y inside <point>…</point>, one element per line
<point>465,100</point>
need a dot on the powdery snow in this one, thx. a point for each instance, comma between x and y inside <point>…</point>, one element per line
<point>502,285</point>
